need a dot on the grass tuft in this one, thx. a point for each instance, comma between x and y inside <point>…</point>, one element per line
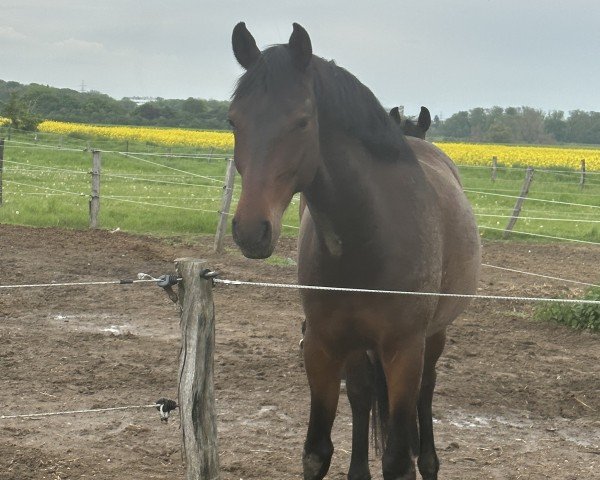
<point>578,316</point>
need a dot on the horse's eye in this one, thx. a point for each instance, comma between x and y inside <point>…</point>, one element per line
<point>230,121</point>
<point>302,123</point>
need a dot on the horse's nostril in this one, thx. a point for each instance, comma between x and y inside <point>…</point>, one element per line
<point>266,232</point>
<point>254,237</point>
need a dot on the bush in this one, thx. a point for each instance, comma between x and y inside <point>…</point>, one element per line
<point>29,122</point>
<point>19,114</point>
<point>576,315</point>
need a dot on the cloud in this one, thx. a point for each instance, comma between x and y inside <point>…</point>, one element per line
<point>10,34</point>
<point>75,46</point>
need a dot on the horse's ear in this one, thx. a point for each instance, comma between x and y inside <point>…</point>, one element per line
<point>244,46</point>
<point>424,120</point>
<point>395,114</point>
<point>300,47</point>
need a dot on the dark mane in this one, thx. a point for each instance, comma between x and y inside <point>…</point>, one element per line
<point>342,100</point>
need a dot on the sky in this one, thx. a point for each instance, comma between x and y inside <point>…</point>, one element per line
<point>448,55</point>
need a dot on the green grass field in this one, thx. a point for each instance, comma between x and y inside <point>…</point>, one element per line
<point>160,195</point>
<point>556,205</point>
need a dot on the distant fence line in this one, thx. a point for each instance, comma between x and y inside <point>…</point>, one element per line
<point>227,196</point>
<point>96,173</point>
<point>94,204</point>
<point>493,163</point>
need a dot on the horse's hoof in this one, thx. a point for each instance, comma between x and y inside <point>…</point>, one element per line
<point>315,468</point>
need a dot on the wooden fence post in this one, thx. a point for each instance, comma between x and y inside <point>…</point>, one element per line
<point>225,206</point>
<point>494,168</point>
<point>1,166</point>
<point>95,198</point>
<point>196,364</point>
<point>582,178</point>
<point>519,203</point>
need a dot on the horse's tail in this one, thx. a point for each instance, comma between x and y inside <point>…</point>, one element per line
<point>380,412</point>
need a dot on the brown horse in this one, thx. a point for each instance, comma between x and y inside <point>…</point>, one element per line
<point>409,127</point>
<point>383,212</point>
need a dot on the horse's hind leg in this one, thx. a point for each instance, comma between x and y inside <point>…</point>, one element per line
<point>403,363</point>
<point>323,372</point>
<point>359,388</point>
<point>428,461</point>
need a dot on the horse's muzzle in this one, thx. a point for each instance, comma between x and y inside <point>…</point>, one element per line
<point>254,239</point>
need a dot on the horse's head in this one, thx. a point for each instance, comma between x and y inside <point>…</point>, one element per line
<point>274,118</point>
<point>409,127</point>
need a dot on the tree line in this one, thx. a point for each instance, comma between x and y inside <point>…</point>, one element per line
<point>523,125</point>
<point>26,105</point>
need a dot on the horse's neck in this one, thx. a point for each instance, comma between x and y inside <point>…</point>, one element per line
<point>321,201</point>
<point>338,196</point>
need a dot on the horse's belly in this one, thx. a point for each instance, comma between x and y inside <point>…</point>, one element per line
<point>365,320</point>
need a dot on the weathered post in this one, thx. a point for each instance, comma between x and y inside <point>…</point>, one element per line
<point>494,168</point>
<point>582,178</point>
<point>519,203</point>
<point>225,206</point>
<point>1,166</point>
<point>95,198</point>
<point>196,363</point>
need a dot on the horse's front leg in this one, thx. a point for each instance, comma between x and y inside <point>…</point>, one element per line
<point>403,364</point>
<point>323,371</point>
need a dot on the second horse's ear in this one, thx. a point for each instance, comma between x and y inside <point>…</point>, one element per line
<point>424,119</point>
<point>244,46</point>
<point>300,47</point>
<point>395,114</point>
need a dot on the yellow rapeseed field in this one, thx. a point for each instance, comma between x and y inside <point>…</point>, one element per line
<point>515,155</point>
<point>461,153</point>
<point>163,136</point>
<point>4,121</point>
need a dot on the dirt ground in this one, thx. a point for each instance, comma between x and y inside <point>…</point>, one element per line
<point>516,398</point>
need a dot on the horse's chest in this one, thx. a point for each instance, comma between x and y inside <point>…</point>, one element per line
<point>374,267</point>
